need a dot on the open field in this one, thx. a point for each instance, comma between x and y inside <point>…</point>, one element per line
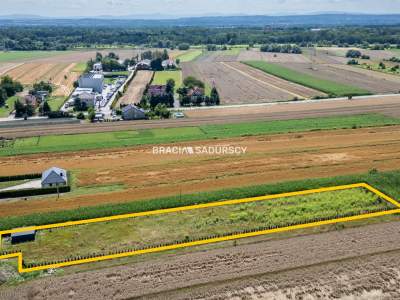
<point>329,264</point>
<point>196,224</point>
<point>142,175</point>
<point>189,55</point>
<point>11,56</point>
<point>155,136</point>
<point>61,75</point>
<point>136,88</point>
<point>161,77</point>
<point>327,86</point>
<point>256,54</point>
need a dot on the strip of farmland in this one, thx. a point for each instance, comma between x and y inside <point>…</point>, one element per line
<point>194,224</point>
<point>136,88</point>
<point>326,85</point>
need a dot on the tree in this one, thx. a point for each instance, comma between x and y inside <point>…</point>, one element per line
<point>156,64</point>
<point>10,86</point>
<point>80,116</point>
<point>3,96</point>
<point>170,86</point>
<point>353,54</point>
<point>178,61</point>
<point>214,96</point>
<point>191,82</point>
<point>42,86</point>
<point>92,114</point>
<point>183,46</point>
<point>382,66</point>
<point>23,110</point>
<point>165,55</point>
<point>99,57</point>
<point>146,55</point>
<point>112,55</point>
<point>45,108</point>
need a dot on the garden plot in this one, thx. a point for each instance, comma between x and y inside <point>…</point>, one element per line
<point>195,223</point>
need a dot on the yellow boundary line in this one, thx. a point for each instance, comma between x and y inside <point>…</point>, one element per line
<point>19,255</point>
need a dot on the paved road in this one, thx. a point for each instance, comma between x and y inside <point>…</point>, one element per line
<point>385,105</point>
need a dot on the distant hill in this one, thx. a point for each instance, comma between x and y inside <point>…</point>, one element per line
<point>320,20</point>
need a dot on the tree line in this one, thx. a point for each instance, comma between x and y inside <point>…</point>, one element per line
<point>62,38</point>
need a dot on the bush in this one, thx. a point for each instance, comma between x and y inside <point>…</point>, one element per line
<point>20,177</point>
<point>183,46</point>
<point>58,115</point>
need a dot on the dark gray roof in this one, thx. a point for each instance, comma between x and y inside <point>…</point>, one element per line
<point>54,171</point>
<point>30,232</point>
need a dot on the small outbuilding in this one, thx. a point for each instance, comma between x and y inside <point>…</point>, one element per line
<point>22,237</point>
<point>54,177</point>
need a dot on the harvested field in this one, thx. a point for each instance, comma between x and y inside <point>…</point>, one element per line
<point>327,265</point>
<point>6,67</point>
<point>286,86</point>
<point>341,52</point>
<point>62,75</point>
<point>364,81</point>
<point>235,87</point>
<point>136,88</point>
<point>140,174</point>
<point>272,57</point>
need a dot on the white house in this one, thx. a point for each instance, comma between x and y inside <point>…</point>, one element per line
<point>98,67</point>
<point>132,112</point>
<point>54,177</point>
<point>92,81</point>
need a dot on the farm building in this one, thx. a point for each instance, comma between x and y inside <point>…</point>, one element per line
<point>21,237</point>
<point>144,65</point>
<point>132,112</point>
<point>93,81</point>
<point>31,100</point>
<point>54,177</point>
<point>88,98</point>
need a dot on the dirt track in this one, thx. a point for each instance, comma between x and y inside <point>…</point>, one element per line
<point>268,159</point>
<point>347,263</point>
<point>223,115</point>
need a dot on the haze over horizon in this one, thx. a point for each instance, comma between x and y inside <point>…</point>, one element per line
<point>190,8</point>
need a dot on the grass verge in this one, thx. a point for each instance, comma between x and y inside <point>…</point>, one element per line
<point>8,107</point>
<point>76,142</point>
<point>161,77</point>
<point>326,86</point>
<point>387,182</point>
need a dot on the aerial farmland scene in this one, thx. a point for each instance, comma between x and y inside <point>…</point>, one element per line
<point>211,150</point>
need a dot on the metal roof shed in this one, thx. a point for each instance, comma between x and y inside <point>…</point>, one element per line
<point>21,237</point>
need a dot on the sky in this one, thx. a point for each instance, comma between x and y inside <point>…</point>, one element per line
<point>181,8</point>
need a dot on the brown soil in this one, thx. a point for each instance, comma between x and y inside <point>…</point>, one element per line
<point>355,263</point>
<point>136,88</point>
<point>5,67</point>
<point>235,86</point>
<point>268,159</point>
<point>272,57</point>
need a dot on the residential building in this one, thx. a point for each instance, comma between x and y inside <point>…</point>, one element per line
<point>93,81</point>
<point>168,64</point>
<point>98,67</point>
<point>157,90</point>
<point>31,100</point>
<point>132,112</point>
<point>54,177</point>
<point>144,65</point>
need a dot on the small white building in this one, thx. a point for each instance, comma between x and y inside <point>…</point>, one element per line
<point>92,81</point>
<point>54,177</point>
<point>132,112</point>
<point>98,67</point>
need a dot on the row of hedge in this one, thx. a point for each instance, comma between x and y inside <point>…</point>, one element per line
<point>387,182</point>
<point>20,177</point>
<point>34,192</point>
<point>188,239</point>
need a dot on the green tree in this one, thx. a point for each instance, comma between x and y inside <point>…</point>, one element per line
<point>165,55</point>
<point>156,64</point>
<point>45,108</point>
<point>214,96</point>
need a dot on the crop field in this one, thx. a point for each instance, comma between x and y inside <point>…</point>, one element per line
<point>161,77</point>
<point>11,56</point>
<point>256,54</point>
<point>189,55</point>
<point>329,87</point>
<point>61,75</point>
<point>197,223</point>
<point>136,88</point>
<point>58,143</point>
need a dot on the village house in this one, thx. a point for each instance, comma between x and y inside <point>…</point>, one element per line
<point>54,177</point>
<point>157,90</point>
<point>144,65</point>
<point>31,100</point>
<point>132,112</point>
<point>168,64</point>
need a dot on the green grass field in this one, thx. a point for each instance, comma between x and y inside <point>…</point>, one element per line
<point>76,142</point>
<point>189,55</point>
<point>161,77</point>
<point>326,86</point>
<point>149,231</point>
<point>56,103</point>
<point>21,55</point>
<point>5,111</point>
<point>80,67</point>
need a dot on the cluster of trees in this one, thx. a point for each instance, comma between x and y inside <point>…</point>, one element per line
<point>110,62</point>
<point>192,93</point>
<point>281,48</point>
<point>64,37</point>
<point>356,54</point>
<point>156,57</point>
<point>8,88</point>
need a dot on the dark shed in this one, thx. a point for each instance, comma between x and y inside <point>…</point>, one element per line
<point>21,237</point>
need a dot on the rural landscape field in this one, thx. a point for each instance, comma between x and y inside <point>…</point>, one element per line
<point>217,151</point>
